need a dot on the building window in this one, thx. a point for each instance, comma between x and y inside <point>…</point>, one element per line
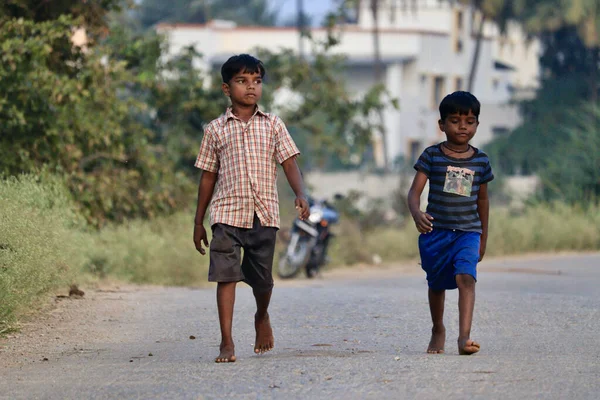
<point>499,131</point>
<point>458,45</point>
<point>415,150</point>
<point>495,83</point>
<point>457,31</point>
<point>439,83</point>
<point>458,83</point>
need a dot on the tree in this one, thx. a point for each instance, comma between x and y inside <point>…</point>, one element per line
<point>243,12</point>
<point>558,121</point>
<point>499,12</point>
<point>121,123</point>
<point>77,120</point>
<point>326,116</point>
<point>545,17</point>
<point>91,14</point>
<point>574,177</point>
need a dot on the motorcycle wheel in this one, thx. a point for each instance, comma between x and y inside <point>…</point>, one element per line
<point>288,268</point>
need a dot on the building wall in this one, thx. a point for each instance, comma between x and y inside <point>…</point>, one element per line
<point>219,39</point>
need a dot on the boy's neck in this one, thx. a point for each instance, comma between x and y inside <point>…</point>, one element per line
<point>243,112</point>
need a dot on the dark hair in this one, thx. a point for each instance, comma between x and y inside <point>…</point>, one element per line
<point>459,103</point>
<point>241,63</point>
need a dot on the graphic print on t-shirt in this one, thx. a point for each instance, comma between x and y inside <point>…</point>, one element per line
<point>459,181</point>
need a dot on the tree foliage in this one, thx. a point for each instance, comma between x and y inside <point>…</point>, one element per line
<point>243,12</point>
<point>563,115</point>
<point>321,112</point>
<point>91,14</point>
<point>575,175</point>
<point>76,117</point>
<point>121,121</point>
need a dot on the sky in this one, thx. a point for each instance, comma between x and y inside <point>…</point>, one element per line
<point>316,8</point>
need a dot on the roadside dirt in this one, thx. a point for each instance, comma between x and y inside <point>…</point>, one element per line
<point>72,323</point>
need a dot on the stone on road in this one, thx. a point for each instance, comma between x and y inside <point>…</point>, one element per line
<point>341,337</point>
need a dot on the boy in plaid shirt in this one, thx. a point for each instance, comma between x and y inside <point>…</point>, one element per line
<point>238,158</point>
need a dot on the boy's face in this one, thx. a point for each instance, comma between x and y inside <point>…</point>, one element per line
<point>244,89</point>
<point>459,129</point>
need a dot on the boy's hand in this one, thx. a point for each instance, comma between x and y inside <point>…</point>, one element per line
<point>200,237</point>
<point>482,246</point>
<point>423,222</point>
<point>302,207</point>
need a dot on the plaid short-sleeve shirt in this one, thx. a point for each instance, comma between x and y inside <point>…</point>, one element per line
<point>245,157</point>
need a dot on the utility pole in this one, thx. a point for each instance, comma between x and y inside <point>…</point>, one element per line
<point>300,25</point>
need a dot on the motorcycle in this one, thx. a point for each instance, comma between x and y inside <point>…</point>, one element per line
<point>309,240</point>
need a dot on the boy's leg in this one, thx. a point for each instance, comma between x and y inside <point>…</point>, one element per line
<point>257,265</point>
<point>438,332</point>
<point>264,333</point>
<point>466,304</point>
<point>225,302</point>
<point>225,257</point>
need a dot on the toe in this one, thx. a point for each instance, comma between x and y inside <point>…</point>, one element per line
<point>473,344</point>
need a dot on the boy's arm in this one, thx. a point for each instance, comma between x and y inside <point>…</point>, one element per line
<point>294,178</point>
<point>422,220</point>
<point>483,209</point>
<point>286,152</point>
<point>205,193</point>
<point>208,162</point>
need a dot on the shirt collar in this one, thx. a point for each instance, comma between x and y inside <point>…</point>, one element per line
<point>229,113</point>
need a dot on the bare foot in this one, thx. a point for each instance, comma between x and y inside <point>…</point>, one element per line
<point>437,342</point>
<point>264,335</point>
<point>227,353</point>
<point>467,347</point>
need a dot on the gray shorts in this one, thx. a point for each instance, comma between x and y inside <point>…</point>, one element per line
<point>226,263</point>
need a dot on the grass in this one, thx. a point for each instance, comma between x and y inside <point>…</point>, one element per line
<point>157,252</point>
<point>45,245</point>
<point>40,237</point>
<point>553,227</point>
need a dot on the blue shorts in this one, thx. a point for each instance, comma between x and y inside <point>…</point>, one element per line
<point>446,253</point>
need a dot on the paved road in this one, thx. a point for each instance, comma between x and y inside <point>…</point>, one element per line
<point>537,319</point>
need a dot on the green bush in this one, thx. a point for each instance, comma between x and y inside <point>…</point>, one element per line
<point>40,238</point>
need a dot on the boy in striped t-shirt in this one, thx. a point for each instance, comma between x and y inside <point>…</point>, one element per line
<point>454,229</point>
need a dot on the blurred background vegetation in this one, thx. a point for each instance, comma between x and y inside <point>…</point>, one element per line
<point>97,143</point>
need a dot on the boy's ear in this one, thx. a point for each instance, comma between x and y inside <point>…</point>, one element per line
<point>441,125</point>
<point>225,88</point>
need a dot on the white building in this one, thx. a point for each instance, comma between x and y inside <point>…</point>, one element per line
<point>426,54</point>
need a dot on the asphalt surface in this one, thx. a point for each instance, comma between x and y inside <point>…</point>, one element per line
<point>356,337</point>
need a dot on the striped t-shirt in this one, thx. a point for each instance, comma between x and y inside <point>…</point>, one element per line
<point>454,187</point>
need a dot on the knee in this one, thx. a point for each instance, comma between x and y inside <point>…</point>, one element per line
<point>465,281</point>
<point>264,289</point>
